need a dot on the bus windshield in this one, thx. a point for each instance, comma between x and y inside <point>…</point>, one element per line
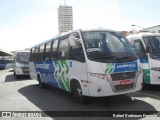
<point>23,57</point>
<point>108,47</point>
<point>154,43</point>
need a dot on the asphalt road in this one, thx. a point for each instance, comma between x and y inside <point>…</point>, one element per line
<point>24,95</point>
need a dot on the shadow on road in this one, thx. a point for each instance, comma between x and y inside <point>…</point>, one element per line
<point>11,78</point>
<point>151,91</point>
<point>52,99</point>
<point>152,88</point>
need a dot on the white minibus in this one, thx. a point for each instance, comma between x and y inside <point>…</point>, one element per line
<point>147,47</point>
<point>21,63</point>
<point>87,63</point>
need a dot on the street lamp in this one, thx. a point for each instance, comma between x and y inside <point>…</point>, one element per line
<point>138,26</point>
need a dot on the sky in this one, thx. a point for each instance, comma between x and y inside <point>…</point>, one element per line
<point>24,23</point>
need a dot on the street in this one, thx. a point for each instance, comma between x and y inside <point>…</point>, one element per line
<point>24,95</point>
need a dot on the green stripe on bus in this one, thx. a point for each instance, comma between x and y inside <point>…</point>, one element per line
<point>57,77</point>
<point>109,68</point>
<point>146,73</point>
<point>62,74</point>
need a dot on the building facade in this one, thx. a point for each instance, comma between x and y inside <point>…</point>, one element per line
<point>154,29</point>
<point>65,19</point>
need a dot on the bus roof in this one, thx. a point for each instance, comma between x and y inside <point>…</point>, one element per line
<point>65,33</point>
<point>143,34</point>
<point>92,30</point>
<point>19,51</point>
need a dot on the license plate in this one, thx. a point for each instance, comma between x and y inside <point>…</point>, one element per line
<point>125,82</point>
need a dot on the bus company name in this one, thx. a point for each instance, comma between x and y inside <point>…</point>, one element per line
<point>126,66</point>
<point>42,66</point>
<point>93,49</point>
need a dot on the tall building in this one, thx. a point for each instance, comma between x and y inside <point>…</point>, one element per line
<point>65,19</point>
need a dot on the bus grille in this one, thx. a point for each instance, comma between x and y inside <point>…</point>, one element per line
<point>25,70</point>
<point>123,76</point>
<point>124,87</point>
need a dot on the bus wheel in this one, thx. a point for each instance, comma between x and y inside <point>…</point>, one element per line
<point>77,93</point>
<point>144,85</point>
<point>17,77</point>
<point>41,85</point>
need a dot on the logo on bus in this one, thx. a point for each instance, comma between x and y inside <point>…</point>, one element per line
<point>42,66</point>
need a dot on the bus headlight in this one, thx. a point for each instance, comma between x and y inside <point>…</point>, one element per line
<point>101,76</point>
<point>155,68</point>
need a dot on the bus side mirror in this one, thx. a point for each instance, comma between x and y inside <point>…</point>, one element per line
<point>73,41</point>
<point>148,49</point>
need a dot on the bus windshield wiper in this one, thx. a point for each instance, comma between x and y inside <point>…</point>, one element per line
<point>107,57</point>
<point>127,57</point>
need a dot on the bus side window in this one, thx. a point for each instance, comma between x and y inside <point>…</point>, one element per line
<point>75,34</point>
<point>48,51</point>
<point>63,48</point>
<point>41,53</point>
<point>76,52</point>
<point>54,50</point>
<point>139,48</point>
<point>32,54</point>
<point>36,54</point>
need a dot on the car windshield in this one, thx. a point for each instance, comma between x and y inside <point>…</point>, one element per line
<point>108,47</point>
<point>154,43</point>
<point>23,57</point>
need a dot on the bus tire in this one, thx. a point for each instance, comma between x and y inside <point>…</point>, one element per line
<point>40,84</point>
<point>144,85</point>
<point>77,92</point>
<point>17,77</point>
